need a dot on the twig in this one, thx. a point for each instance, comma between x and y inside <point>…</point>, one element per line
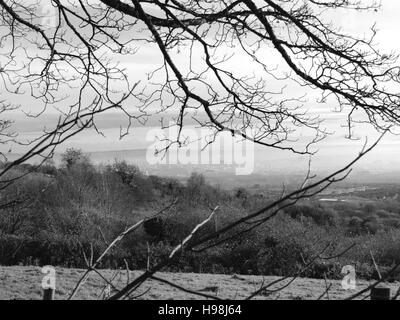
<point>391,271</point>
<point>174,285</point>
<point>148,273</point>
<point>375,265</point>
<point>112,244</point>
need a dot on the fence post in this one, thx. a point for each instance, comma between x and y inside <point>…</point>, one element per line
<point>380,293</point>
<point>48,294</point>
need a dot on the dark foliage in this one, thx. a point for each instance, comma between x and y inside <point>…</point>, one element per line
<point>65,212</point>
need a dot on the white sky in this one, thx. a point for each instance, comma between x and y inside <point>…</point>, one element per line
<point>334,149</point>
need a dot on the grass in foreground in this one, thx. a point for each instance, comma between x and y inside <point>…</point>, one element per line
<point>25,283</point>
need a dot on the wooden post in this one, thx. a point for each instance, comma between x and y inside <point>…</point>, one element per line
<point>380,293</point>
<point>48,294</point>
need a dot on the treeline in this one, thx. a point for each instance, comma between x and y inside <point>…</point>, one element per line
<point>55,214</point>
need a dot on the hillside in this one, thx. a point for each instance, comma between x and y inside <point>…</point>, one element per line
<point>59,214</point>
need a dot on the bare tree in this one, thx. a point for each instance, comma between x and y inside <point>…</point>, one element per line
<point>72,66</point>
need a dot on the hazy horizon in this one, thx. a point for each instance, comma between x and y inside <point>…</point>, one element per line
<point>335,151</point>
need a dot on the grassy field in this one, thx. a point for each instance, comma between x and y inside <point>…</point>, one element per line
<point>25,283</point>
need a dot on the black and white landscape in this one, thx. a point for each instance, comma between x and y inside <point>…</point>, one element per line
<point>197,149</point>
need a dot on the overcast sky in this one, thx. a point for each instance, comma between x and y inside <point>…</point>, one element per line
<point>333,149</point>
